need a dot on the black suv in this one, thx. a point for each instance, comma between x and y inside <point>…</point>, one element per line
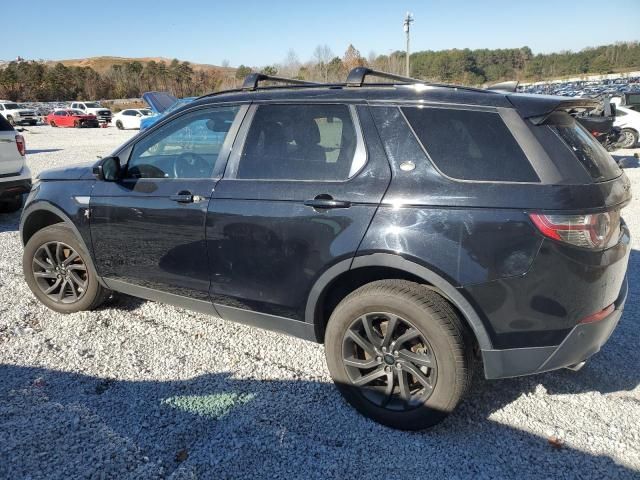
<point>407,226</point>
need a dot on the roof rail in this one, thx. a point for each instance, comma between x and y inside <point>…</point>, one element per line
<point>509,86</point>
<point>251,81</point>
<point>357,75</point>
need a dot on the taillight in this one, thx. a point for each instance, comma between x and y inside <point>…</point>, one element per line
<point>22,147</point>
<point>593,230</point>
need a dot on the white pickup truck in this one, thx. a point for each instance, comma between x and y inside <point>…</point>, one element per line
<point>94,108</point>
<point>16,114</point>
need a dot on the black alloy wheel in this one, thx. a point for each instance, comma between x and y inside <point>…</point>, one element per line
<point>391,360</point>
<point>60,272</point>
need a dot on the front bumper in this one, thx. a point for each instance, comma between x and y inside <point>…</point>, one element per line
<point>583,341</point>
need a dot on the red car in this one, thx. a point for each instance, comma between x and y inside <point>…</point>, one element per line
<point>71,118</point>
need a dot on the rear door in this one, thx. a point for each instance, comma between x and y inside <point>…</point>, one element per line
<point>298,194</point>
<point>11,161</point>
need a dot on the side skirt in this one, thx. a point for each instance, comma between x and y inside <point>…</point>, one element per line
<point>265,321</point>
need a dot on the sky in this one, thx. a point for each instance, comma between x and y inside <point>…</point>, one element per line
<point>259,33</point>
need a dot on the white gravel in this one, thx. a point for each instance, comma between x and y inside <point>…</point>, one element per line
<point>143,390</point>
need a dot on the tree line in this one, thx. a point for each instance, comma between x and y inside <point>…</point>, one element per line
<point>38,81</point>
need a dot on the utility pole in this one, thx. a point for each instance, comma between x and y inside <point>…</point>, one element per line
<point>408,20</point>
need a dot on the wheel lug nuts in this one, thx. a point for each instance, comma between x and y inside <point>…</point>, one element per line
<point>387,369</point>
<point>379,359</point>
<point>384,349</point>
<point>399,366</point>
<point>395,353</point>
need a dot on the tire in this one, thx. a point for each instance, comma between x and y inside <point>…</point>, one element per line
<point>119,125</point>
<point>87,297</point>
<point>441,338</point>
<point>76,124</point>
<point>53,124</point>
<point>628,138</point>
<point>11,121</point>
<point>12,205</point>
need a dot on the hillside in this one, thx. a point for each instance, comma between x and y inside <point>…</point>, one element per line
<point>103,64</point>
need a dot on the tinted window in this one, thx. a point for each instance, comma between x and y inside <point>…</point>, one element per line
<point>589,152</point>
<point>61,113</point>
<point>187,147</point>
<point>299,142</point>
<point>470,145</point>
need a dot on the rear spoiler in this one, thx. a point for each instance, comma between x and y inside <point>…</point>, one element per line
<point>537,108</point>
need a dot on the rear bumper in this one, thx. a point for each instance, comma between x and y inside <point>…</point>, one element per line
<point>14,187</point>
<point>582,342</point>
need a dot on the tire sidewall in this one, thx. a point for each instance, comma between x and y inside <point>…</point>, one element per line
<point>64,234</point>
<point>439,404</point>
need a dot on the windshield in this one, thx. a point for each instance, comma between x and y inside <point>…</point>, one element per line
<point>146,113</point>
<point>92,105</point>
<point>11,106</point>
<point>75,112</point>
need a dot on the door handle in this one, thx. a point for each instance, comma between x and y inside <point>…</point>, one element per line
<point>326,202</point>
<point>182,197</point>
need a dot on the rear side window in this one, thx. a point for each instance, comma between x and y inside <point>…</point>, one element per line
<point>301,142</point>
<point>589,152</point>
<point>5,126</point>
<point>470,145</point>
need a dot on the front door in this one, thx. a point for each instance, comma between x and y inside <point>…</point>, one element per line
<point>298,194</point>
<point>148,228</point>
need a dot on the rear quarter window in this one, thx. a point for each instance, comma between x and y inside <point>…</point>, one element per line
<point>470,145</point>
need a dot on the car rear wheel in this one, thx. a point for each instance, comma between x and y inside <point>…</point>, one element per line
<point>399,353</point>
<point>119,125</point>
<point>59,271</point>
<point>628,138</point>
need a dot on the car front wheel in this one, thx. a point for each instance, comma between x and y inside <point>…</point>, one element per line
<point>59,271</point>
<point>399,353</point>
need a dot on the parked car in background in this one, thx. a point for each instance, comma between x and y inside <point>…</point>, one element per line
<point>130,118</point>
<point>102,114</point>
<point>15,177</point>
<point>71,118</point>
<point>16,114</point>
<point>408,227</point>
<point>628,121</point>
<point>162,104</point>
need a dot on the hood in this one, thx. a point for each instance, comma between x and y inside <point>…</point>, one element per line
<point>82,171</point>
<point>159,101</point>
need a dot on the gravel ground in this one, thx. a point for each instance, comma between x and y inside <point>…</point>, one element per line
<point>143,390</point>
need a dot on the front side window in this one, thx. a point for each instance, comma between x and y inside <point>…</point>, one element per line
<point>301,142</point>
<point>187,147</point>
<point>470,144</point>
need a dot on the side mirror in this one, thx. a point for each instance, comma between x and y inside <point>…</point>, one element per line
<point>108,169</point>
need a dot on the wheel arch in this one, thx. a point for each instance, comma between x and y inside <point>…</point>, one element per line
<point>43,214</point>
<point>347,275</point>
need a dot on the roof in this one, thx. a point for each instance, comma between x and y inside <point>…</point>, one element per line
<point>367,93</point>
